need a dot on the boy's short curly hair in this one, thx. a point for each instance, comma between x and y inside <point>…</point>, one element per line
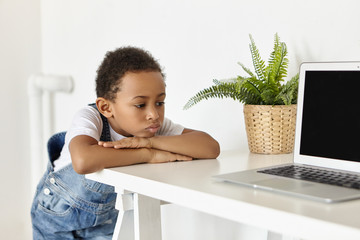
<point>116,64</point>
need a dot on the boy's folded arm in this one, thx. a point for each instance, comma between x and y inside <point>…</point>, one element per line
<point>87,156</point>
<point>193,143</point>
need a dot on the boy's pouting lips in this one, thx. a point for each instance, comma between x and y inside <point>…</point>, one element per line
<point>153,128</point>
<point>138,109</point>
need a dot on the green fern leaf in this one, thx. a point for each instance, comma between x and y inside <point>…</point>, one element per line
<point>247,70</point>
<point>217,91</point>
<point>228,80</point>
<point>224,90</point>
<point>282,66</point>
<point>250,85</point>
<point>278,63</point>
<point>258,63</point>
<point>288,93</point>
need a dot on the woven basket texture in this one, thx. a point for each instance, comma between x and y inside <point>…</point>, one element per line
<point>270,129</point>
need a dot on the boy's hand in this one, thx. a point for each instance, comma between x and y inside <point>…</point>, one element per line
<point>130,142</point>
<point>159,156</point>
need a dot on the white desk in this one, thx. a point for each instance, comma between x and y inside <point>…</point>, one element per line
<point>189,184</point>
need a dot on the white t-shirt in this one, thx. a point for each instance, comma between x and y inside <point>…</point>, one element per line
<point>88,122</point>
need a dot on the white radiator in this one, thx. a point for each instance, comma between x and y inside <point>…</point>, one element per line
<point>41,89</point>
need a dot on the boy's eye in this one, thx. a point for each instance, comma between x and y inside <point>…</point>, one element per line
<point>160,103</point>
<point>140,105</point>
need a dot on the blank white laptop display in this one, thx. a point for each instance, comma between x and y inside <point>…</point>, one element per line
<point>327,137</point>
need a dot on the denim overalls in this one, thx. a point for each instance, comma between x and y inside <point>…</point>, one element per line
<point>69,206</point>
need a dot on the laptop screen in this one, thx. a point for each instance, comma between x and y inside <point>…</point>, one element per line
<point>331,115</point>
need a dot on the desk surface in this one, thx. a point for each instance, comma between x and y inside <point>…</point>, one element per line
<point>189,184</point>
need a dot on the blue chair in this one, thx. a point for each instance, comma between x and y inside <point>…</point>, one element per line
<point>55,145</point>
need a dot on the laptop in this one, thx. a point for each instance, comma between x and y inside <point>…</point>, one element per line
<point>326,164</point>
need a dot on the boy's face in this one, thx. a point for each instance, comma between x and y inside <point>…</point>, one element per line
<point>138,109</point>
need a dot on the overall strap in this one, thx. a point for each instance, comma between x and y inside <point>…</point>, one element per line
<point>105,134</point>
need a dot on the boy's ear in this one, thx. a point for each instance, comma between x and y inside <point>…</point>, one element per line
<point>104,107</point>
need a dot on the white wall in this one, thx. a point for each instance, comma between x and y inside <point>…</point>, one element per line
<point>19,57</point>
<point>195,40</point>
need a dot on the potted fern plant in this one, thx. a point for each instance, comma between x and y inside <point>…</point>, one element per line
<point>269,101</point>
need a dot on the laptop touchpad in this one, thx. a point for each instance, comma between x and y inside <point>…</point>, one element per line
<point>285,184</point>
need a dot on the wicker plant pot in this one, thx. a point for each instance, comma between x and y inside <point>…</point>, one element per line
<point>270,129</point>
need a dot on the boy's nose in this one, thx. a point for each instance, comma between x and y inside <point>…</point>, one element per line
<point>152,114</point>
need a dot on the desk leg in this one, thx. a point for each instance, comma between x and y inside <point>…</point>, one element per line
<point>139,217</point>
<point>147,218</point>
<point>124,228</point>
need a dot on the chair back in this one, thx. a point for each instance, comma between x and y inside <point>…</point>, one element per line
<point>55,145</point>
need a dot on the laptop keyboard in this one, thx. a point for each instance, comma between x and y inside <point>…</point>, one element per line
<point>316,175</point>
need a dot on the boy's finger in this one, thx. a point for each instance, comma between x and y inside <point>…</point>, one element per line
<point>184,158</point>
<point>108,144</point>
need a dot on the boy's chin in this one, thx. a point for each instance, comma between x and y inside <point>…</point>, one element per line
<point>145,135</point>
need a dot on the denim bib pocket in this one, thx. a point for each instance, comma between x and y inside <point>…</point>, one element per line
<point>51,202</point>
<point>59,208</point>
